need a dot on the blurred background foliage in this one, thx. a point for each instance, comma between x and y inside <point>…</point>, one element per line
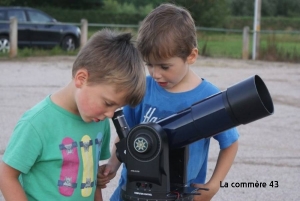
<point>234,14</point>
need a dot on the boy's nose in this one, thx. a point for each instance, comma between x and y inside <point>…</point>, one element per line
<point>109,113</point>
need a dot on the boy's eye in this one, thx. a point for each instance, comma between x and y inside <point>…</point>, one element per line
<point>149,65</point>
<point>164,67</point>
<point>108,104</point>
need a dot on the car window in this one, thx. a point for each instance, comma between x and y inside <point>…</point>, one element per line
<point>19,14</point>
<point>2,15</point>
<point>38,17</point>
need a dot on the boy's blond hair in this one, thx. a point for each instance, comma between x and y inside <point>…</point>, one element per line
<point>166,32</point>
<point>111,58</point>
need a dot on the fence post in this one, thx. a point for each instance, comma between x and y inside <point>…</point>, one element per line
<point>84,32</point>
<point>246,43</point>
<point>13,37</point>
<point>256,30</point>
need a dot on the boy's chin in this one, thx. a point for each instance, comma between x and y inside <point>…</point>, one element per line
<point>96,120</point>
<point>87,120</point>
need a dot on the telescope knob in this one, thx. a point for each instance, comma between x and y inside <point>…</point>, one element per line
<point>144,142</point>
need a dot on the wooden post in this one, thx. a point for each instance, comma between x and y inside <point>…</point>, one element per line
<point>13,37</point>
<point>246,43</point>
<point>84,32</point>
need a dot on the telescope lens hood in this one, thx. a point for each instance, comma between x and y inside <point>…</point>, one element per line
<point>249,100</point>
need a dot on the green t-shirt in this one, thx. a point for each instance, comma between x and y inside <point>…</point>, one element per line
<point>57,153</point>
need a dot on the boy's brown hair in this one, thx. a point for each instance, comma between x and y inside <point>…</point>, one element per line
<point>111,58</point>
<point>167,31</point>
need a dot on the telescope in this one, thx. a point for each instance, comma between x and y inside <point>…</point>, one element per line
<point>156,154</point>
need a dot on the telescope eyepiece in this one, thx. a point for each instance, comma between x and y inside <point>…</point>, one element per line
<point>120,123</point>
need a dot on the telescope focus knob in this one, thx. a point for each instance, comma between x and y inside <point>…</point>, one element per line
<point>144,142</point>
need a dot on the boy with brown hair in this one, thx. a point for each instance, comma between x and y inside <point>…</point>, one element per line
<point>54,151</point>
<point>167,40</point>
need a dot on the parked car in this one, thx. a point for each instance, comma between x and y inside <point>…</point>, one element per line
<point>37,29</point>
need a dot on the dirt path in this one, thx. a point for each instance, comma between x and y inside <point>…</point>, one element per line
<point>269,149</point>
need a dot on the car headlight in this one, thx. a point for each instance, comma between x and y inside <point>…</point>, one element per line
<point>78,30</point>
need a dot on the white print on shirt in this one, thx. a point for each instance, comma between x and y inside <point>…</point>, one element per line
<point>148,117</point>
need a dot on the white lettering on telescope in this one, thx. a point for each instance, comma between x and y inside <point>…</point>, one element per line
<point>138,193</point>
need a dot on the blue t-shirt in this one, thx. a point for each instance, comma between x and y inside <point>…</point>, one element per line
<point>159,103</point>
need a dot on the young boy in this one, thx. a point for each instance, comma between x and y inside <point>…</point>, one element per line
<point>56,146</point>
<point>167,41</point>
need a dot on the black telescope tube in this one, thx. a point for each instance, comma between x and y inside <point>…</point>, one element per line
<point>241,103</point>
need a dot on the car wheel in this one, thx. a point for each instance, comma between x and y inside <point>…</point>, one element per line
<point>4,44</point>
<point>68,43</point>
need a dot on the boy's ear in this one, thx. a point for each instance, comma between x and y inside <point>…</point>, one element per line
<point>81,77</point>
<point>193,56</point>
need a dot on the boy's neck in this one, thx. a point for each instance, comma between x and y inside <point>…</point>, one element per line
<point>64,98</point>
<point>188,83</point>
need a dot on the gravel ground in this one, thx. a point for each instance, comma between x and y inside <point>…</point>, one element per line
<point>269,149</point>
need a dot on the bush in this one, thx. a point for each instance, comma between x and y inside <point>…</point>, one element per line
<point>267,23</point>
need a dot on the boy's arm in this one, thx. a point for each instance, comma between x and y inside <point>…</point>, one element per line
<point>224,162</point>
<point>98,194</point>
<point>9,183</point>
<point>108,171</point>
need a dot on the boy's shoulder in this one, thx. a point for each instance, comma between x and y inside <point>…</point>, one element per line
<point>209,86</point>
<point>149,79</point>
<point>37,110</point>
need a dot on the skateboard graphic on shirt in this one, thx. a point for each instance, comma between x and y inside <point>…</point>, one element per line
<point>69,170</point>
<point>88,166</point>
<point>98,143</point>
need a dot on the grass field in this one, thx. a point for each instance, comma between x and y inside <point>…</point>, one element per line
<point>283,46</point>
<point>275,47</point>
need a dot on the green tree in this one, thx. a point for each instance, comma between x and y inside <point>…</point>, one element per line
<point>140,3</point>
<point>205,12</point>
<point>287,8</point>
<point>71,4</point>
<point>5,2</point>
